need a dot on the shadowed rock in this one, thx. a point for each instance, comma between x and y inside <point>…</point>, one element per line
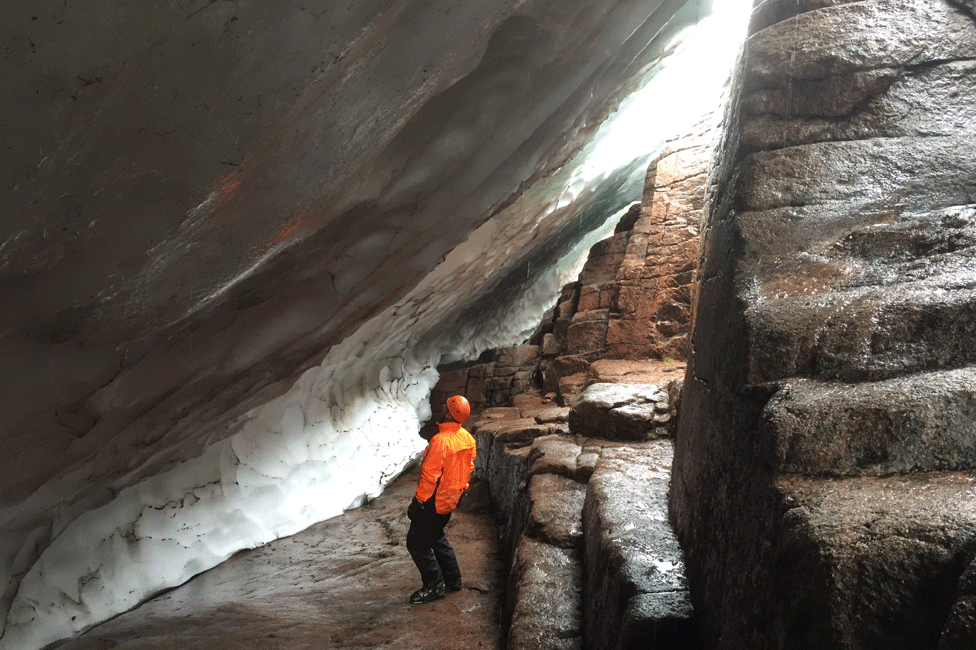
<point>546,584</point>
<point>874,562</point>
<point>960,630</point>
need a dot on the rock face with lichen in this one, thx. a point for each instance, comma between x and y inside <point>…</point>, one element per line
<point>824,469</point>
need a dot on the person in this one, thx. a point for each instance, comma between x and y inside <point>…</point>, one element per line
<point>444,472</point>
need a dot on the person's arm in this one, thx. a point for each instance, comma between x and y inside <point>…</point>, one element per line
<point>431,469</point>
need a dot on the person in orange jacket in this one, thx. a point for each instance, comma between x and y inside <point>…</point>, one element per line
<point>444,473</point>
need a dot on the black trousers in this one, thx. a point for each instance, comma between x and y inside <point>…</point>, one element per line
<point>428,545</point>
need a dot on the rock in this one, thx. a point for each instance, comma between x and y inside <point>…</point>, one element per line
<point>550,345</point>
<point>506,471</point>
<point>635,586</point>
<point>477,498</point>
<point>570,385</point>
<point>555,510</point>
<point>530,404</point>
<point>960,630</point>
<point>491,421</point>
<point>662,620</point>
<point>545,584</point>
<point>604,259</point>
<point>519,430</point>
<point>874,562</point>
<point>627,221</point>
<point>552,414</point>
<point>571,364</point>
<point>586,463</point>
<point>496,413</point>
<point>587,333</point>
<point>674,405</point>
<point>922,422</point>
<point>556,455</point>
<point>597,296</point>
<point>629,371</point>
<point>621,412</point>
<point>518,356</point>
<point>836,310</point>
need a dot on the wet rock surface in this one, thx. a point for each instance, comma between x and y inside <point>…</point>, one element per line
<point>622,411</point>
<point>832,337</point>
<point>586,510</point>
<point>555,504</point>
<point>546,588</point>
<point>344,583</point>
<point>876,562</point>
<point>921,422</point>
<point>633,565</point>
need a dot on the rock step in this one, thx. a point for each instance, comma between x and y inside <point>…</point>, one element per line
<point>545,586</point>
<point>623,411</point>
<point>878,562</point>
<point>637,593</point>
<point>923,422</point>
<point>635,586</point>
<point>865,334</point>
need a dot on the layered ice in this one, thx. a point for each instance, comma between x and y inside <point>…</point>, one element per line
<point>350,424</point>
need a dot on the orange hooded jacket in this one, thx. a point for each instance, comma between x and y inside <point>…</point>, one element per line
<point>447,466</point>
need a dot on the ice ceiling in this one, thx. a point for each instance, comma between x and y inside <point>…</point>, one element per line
<point>238,237</point>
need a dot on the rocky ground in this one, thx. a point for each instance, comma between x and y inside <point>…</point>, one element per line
<point>551,473</point>
<point>343,583</point>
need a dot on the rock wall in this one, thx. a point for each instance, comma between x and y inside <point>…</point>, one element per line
<point>489,382</point>
<point>823,478</point>
<point>634,297</point>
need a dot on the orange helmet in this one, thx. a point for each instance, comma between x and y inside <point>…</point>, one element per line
<point>459,407</point>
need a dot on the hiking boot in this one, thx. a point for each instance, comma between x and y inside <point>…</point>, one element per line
<point>453,585</point>
<point>427,594</point>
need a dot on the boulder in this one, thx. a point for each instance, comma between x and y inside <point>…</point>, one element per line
<point>621,412</point>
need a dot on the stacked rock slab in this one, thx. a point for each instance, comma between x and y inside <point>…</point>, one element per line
<point>824,486</point>
<point>488,382</point>
<point>633,299</point>
<point>594,561</point>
